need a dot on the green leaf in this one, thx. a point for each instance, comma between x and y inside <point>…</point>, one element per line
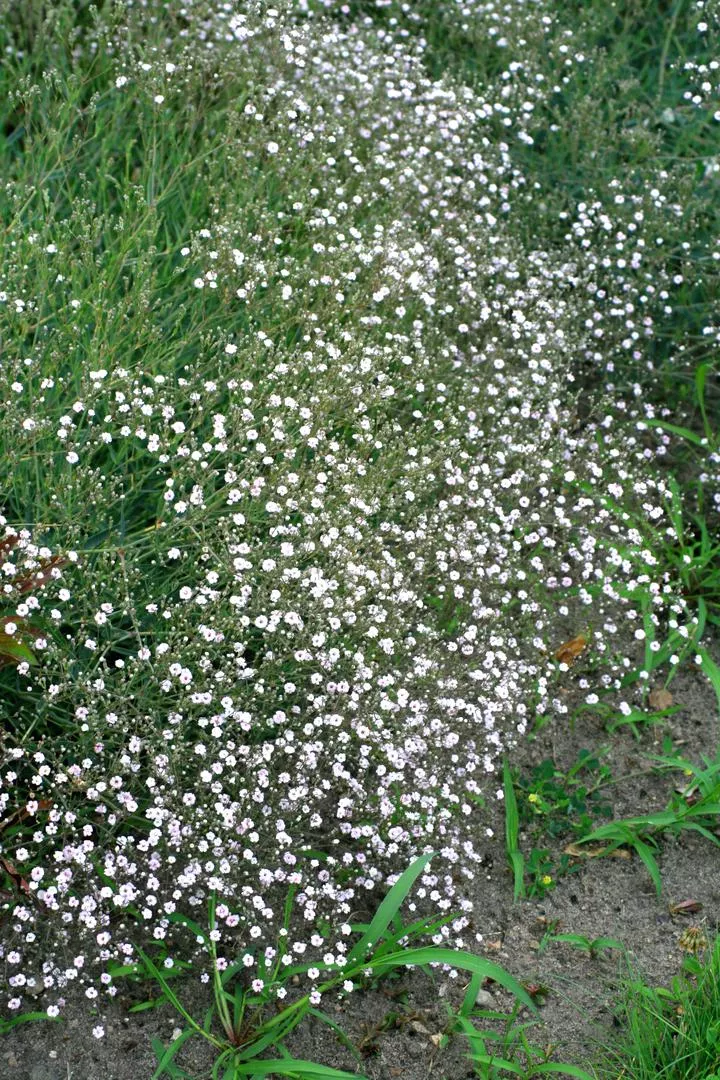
<point>118,971</point>
<point>470,998</point>
<point>15,651</point>
<point>275,1030</point>
<point>606,943</point>
<point>700,378</point>
<point>563,1070</point>
<point>474,1037</point>
<point>143,1006</point>
<point>684,433</point>
<point>647,857</point>
<point>710,669</point>
<point>293,1067</point>
<point>165,1054</point>
<point>28,1018</point>
<point>512,828</point>
<point>198,931</point>
<point>433,954</point>
<point>703,832</point>
<point>388,909</point>
<point>341,1035</point>
<point>573,939</point>
<point>497,1063</point>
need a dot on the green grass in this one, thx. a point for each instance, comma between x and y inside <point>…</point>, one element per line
<point>669,1033</point>
<point>247,1032</point>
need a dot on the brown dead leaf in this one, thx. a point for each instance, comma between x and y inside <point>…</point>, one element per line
<point>42,575</point>
<point>685,907</point>
<point>660,699</point>
<point>594,851</point>
<point>570,650</point>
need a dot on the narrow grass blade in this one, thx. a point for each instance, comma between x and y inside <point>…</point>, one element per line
<point>675,429</point>
<point>453,958</point>
<point>294,1067</point>
<point>710,669</point>
<point>28,1018</point>
<point>183,920</point>
<point>562,1070</point>
<point>342,1036</point>
<point>703,832</point>
<point>388,909</point>
<point>512,829</point>
<point>470,998</point>
<point>648,858</point>
<point>497,1063</point>
<point>474,1037</point>
<point>607,943</point>
<point>700,378</point>
<point>165,1055</point>
<point>275,1030</point>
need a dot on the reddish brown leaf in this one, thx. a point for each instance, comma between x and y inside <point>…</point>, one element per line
<point>7,545</point>
<point>14,873</point>
<point>686,907</point>
<point>39,577</point>
<point>22,814</point>
<point>570,650</point>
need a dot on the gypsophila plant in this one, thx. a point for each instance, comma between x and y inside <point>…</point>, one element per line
<point>294,435</point>
<point>244,991</point>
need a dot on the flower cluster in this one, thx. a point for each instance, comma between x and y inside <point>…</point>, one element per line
<point>307,430</point>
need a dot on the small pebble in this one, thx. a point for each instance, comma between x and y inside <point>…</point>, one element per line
<point>484,999</point>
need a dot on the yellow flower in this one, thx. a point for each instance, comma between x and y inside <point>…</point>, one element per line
<point>533,798</point>
<point>546,879</point>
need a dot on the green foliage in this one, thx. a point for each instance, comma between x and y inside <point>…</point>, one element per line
<point>594,947</point>
<point>671,1033</point>
<point>695,808</point>
<point>550,805</point>
<point>249,1024</point>
<point>512,829</point>
<point>499,1045</point>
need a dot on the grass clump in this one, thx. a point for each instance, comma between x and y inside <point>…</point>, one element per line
<point>671,1033</point>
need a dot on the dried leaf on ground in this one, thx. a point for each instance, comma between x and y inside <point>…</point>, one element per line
<point>685,907</point>
<point>594,851</point>
<point>570,650</point>
<point>660,699</point>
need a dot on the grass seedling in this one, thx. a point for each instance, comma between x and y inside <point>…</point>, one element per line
<point>594,947</point>
<point>695,807</point>
<point>512,830</point>
<point>506,1049</point>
